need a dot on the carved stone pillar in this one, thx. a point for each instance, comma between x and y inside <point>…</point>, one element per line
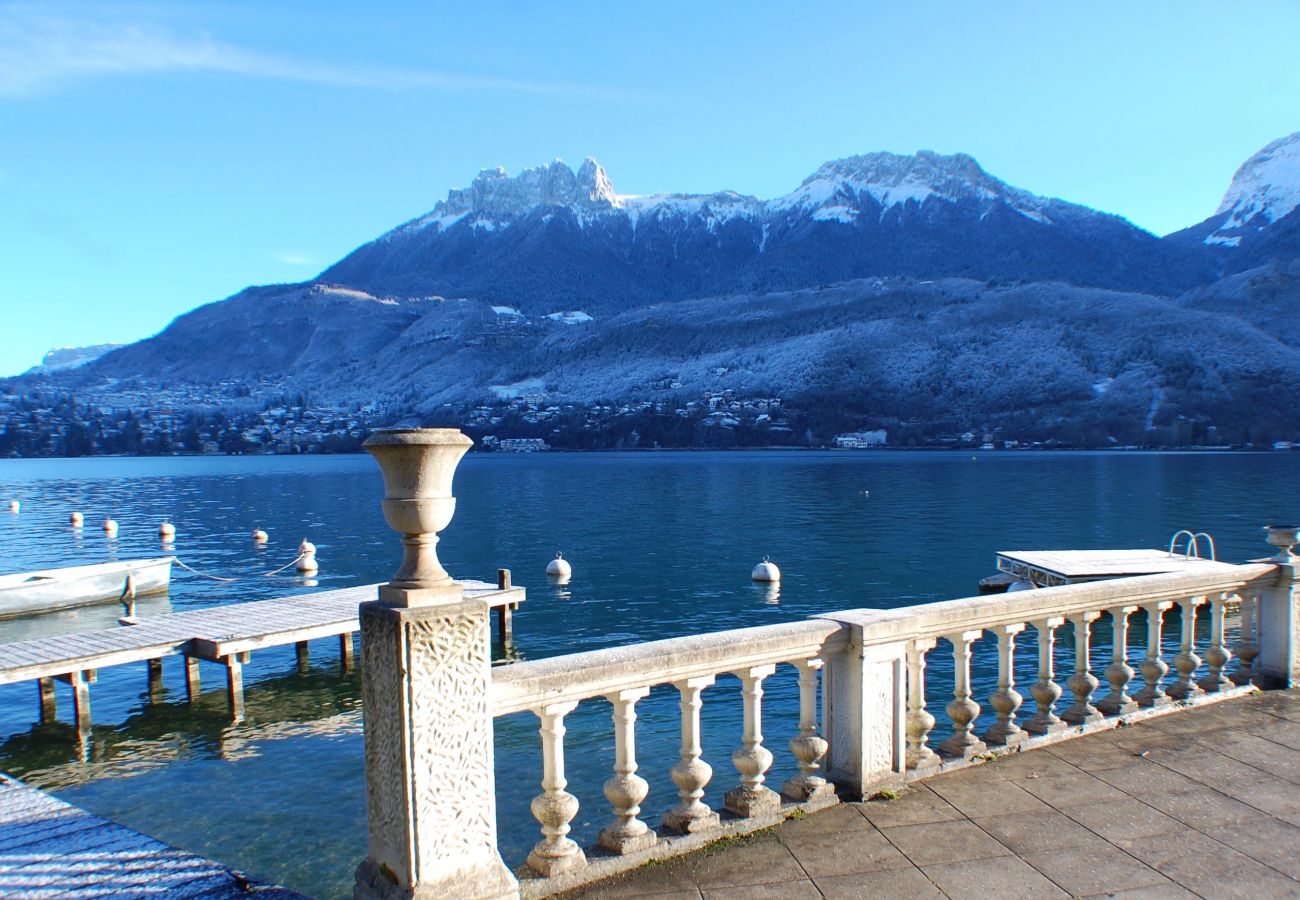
<point>752,759</point>
<point>1278,661</point>
<point>1119,673</point>
<point>1045,690</point>
<point>962,709</point>
<point>1187,662</point>
<point>430,792</point>
<point>1153,667</point>
<point>626,789</point>
<point>920,758</point>
<point>692,773</point>
<point>1082,683</point>
<point>809,747</point>
<point>1218,656</point>
<point>1006,700</point>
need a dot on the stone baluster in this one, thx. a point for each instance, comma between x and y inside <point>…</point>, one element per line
<point>1187,662</point>
<point>555,807</point>
<point>1247,642</point>
<point>920,758</point>
<point>1119,673</point>
<point>626,790</point>
<point>752,759</point>
<point>1045,690</point>
<point>963,710</point>
<point>692,773</point>
<point>1153,667</point>
<point>1082,683</point>
<point>1218,655</point>
<point>809,747</point>
<point>1005,699</point>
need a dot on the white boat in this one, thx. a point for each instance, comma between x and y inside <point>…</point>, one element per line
<point>25,593</point>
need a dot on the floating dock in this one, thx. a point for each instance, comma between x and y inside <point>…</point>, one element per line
<point>51,849</point>
<point>1050,568</point>
<point>226,635</point>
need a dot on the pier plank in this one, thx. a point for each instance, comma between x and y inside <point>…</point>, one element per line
<point>214,633</point>
<point>51,849</point>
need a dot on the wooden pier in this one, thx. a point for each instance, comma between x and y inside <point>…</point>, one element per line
<point>51,849</point>
<point>225,635</point>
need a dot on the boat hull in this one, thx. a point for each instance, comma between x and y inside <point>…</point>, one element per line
<point>55,589</point>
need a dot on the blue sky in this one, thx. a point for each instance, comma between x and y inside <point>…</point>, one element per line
<point>157,156</point>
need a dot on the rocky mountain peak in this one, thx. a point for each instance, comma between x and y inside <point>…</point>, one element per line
<point>495,194</point>
<point>1263,190</point>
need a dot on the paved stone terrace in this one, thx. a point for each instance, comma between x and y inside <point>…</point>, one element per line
<point>1204,802</point>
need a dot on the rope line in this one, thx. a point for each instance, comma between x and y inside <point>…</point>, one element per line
<point>195,571</point>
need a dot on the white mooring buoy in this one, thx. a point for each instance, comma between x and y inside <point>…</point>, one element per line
<point>260,536</point>
<point>766,571</point>
<point>559,567</point>
<point>110,526</point>
<point>77,519</point>
<point>15,506</point>
<point>166,530</point>
<point>306,557</point>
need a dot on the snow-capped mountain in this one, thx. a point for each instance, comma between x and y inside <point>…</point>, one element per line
<point>1258,221</point>
<point>1265,189</point>
<point>909,286</point>
<point>551,235</point>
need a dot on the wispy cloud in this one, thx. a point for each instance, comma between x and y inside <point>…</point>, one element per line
<point>41,53</point>
<point>295,259</point>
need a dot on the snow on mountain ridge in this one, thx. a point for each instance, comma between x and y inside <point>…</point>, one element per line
<point>833,193</point>
<point>1263,190</point>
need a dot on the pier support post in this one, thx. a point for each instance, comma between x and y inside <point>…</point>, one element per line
<point>426,676</point>
<point>155,678</point>
<point>80,702</point>
<point>346,658</point>
<point>504,627</point>
<point>864,705</point>
<point>49,702</point>
<point>192,682</point>
<point>1278,663</point>
<point>234,686</point>
<point>303,660</point>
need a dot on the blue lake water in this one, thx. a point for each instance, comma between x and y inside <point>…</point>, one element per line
<point>661,544</point>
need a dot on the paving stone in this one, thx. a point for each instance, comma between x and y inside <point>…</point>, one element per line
<point>1205,810</point>
<point>942,842</point>
<point>663,880</point>
<point>1092,756</point>
<point>1050,830</point>
<point>794,890</point>
<point>1267,840</point>
<point>1280,731</point>
<point>1144,778</point>
<point>917,806</point>
<point>1167,890</point>
<point>1122,819</point>
<point>842,818</point>
<point>1005,877</point>
<point>1094,870</point>
<point>1070,790</point>
<point>888,885</point>
<point>846,854</point>
<point>1263,754</point>
<point>987,797</point>
<point>761,862</point>
<point>1031,764</point>
<point>1210,868</point>
<point>1269,794</point>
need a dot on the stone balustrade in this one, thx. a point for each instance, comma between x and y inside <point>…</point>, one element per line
<point>430,697</point>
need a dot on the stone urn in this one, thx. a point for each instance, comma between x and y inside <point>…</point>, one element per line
<point>418,465</point>
<point>1283,537</point>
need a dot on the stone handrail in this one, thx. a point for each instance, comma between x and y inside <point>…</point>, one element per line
<point>578,676</point>
<point>945,616</point>
<point>430,696</point>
